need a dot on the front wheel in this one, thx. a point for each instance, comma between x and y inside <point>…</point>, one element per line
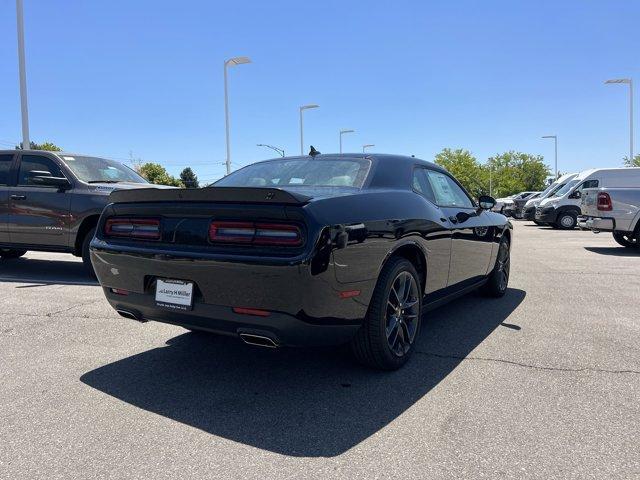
<point>86,254</point>
<point>387,336</point>
<point>628,240</point>
<point>567,220</point>
<point>498,281</point>
<point>8,254</point>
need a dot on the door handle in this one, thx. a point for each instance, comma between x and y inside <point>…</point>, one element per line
<point>18,197</point>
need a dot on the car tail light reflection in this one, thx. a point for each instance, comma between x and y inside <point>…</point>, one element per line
<point>604,202</point>
<point>140,228</point>
<point>279,234</point>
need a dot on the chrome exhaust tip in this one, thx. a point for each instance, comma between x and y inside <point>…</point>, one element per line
<point>130,315</point>
<point>258,340</point>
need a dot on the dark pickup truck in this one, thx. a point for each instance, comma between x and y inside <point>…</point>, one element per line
<point>51,201</point>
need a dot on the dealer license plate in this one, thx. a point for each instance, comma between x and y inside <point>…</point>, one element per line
<point>174,294</point>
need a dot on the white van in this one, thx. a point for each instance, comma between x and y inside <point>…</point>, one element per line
<point>529,210</point>
<point>561,209</point>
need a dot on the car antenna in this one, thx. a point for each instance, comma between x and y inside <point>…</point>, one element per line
<point>313,152</point>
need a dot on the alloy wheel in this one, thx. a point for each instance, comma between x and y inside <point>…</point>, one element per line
<point>403,308</point>
<point>504,261</point>
<point>566,221</point>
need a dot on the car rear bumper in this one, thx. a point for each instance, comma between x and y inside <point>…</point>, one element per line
<point>302,307</point>
<point>597,224</point>
<point>281,328</point>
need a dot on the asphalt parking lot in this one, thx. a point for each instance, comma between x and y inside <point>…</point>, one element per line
<point>544,383</point>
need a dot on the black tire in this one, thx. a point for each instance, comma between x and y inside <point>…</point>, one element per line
<point>375,344</point>
<point>498,281</point>
<point>567,220</point>
<point>628,240</point>
<point>86,257</point>
<point>8,254</point>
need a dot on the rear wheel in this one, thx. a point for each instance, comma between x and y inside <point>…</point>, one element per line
<point>86,256</point>
<point>498,281</point>
<point>387,336</point>
<point>628,240</point>
<point>7,253</point>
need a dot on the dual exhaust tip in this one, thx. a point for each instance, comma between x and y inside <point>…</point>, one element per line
<point>248,338</point>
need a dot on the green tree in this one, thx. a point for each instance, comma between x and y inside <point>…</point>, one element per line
<point>465,167</point>
<point>632,163</point>
<point>51,147</point>
<point>156,173</point>
<point>189,179</point>
<point>514,172</point>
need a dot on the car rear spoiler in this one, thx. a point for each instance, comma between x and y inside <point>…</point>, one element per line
<point>210,194</point>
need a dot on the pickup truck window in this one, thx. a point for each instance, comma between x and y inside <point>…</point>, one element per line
<point>5,165</point>
<point>28,163</point>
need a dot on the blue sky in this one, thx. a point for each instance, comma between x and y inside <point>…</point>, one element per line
<point>114,77</point>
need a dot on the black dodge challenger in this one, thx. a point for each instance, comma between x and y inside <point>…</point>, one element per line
<point>304,251</point>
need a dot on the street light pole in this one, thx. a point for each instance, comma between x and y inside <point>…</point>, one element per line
<point>23,77</point>
<point>279,150</point>
<point>342,132</point>
<point>555,139</point>
<point>304,107</point>
<point>628,81</point>
<point>231,62</point>
<point>364,147</point>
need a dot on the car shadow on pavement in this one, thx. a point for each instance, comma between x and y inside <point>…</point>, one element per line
<point>44,272</point>
<point>296,402</point>
<point>615,251</point>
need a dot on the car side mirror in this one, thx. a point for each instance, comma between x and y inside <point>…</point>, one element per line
<point>486,202</point>
<point>48,181</point>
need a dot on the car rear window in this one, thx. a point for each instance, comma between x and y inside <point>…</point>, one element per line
<point>300,172</point>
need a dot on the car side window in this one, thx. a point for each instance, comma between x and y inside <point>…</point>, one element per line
<point>5,167</point>
<point>30,163</point>
<point>421,185</point>
<point>447,192</point>
<point>587,184</point>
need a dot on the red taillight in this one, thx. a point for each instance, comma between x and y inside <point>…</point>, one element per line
<point>279,234</point>
<point>251,311</point>
<point>604,202</point>
<point>140,228</point>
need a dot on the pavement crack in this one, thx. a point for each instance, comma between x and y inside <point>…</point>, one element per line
<point>530,366</point>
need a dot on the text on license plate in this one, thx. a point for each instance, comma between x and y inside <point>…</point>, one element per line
<point>174,294</point>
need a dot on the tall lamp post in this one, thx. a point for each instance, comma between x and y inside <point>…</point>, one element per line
<point>555,140</point>
<point>629,81</point>
<point>364,147</point>
<point>23,76</point>
<point>302,108</point>
<point>279,150</point>
<point>342,132</point>
<point>232,62</point>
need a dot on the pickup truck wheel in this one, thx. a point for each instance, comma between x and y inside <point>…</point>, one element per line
<point>86,258</point>
<point>628,240</point>
<point>8,254</point>
<point>387,337</point>
<point>567,221</point>
<point>498,281</point>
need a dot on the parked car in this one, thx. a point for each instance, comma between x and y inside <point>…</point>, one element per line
<point>529,209</point>
<point>51,201</point>
<point>562,209</point>
<point>514,208</point>
<point>299,251</point>
<point>505,205</point>
<point>615,210</point>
